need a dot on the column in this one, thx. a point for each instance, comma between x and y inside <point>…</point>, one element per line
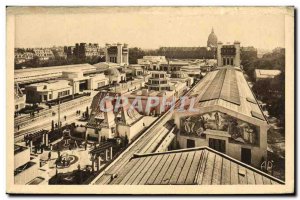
<point>30,145</point>
<point>111,152</point>
<point>98,162</point>
<point>106,154</point>
<point>93,163</point>
<point>46,142</point>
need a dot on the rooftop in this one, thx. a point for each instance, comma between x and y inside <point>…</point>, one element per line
<point>53,83</point>
<point>227,88</point>
<point>194,166</point>
<point>265,73</point>
<point>34,73</point>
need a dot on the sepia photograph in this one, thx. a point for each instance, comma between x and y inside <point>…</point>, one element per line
<point>150,100</point>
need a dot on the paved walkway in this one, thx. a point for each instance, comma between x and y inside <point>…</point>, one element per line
<point>48,170</point>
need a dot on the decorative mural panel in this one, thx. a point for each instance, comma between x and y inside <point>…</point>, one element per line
<point>239,130</point>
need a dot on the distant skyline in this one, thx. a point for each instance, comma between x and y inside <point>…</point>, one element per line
<point>149,28</point>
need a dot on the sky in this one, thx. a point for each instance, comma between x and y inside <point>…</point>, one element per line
<point>149,28</point>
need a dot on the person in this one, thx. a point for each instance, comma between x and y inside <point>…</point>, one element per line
<point>85,146</point>
<point>64,162</point>
<point>49,155</point>
<point>65,118</point>
<point>187,125</point>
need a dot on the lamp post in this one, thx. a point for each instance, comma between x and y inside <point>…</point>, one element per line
<point>58,111</point>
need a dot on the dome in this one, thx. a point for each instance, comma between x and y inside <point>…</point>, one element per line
<point>212,39</point>
<point>113,72</point>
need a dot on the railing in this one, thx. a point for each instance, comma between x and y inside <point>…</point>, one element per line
<point>23,121</point>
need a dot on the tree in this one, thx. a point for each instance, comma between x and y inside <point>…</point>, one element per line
<point>273,60</point>
<point>135,54</point>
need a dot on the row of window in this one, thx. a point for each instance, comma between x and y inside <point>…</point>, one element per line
<point>159,88</point>
<point>63,93</point>
<point>227,61</point>
<point>113,59</point>
<point>157,82</point>
<point>158,75</point>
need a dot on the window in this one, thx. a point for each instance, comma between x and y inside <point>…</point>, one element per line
<point>217,144</point>
<point>246,155</point>
<point>64,93</point>
<point>50,96</point>
<point>190,143</point>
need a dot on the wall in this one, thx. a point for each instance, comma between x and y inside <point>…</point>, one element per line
<point>21,158</point>
<point>237,59</point>
<point>27,175</point>
<point>219,56</point>
<point>92,133</point>
<point>231,149</point>
<point>130,130</point>
<point>33,96</point>
<point>93,81</point>
<point>20,102</point>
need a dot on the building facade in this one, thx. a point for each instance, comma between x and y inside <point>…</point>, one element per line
<point>227,118</point>
<point>117,53</point>
<point>47,91</point>
<point>87,50</point>
<point>107,121</point>
<point>19,98</point>
<point>23,57</point>
<point>25,169</point>
<point>43,54</point>
<point>229,54</point>
<point>158,81</point>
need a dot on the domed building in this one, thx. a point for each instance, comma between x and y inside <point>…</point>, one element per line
<point>212,39</point>
<point>114,75</point>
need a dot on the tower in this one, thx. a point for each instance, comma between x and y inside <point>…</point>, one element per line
<point>237,59</point>
<point>219,56</point>
<point>117,53</point>
<point>229,54</point>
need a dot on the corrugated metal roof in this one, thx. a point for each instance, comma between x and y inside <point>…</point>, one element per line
<point>223,86</point>
<point>197,166</point>
<point>228,88</point>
